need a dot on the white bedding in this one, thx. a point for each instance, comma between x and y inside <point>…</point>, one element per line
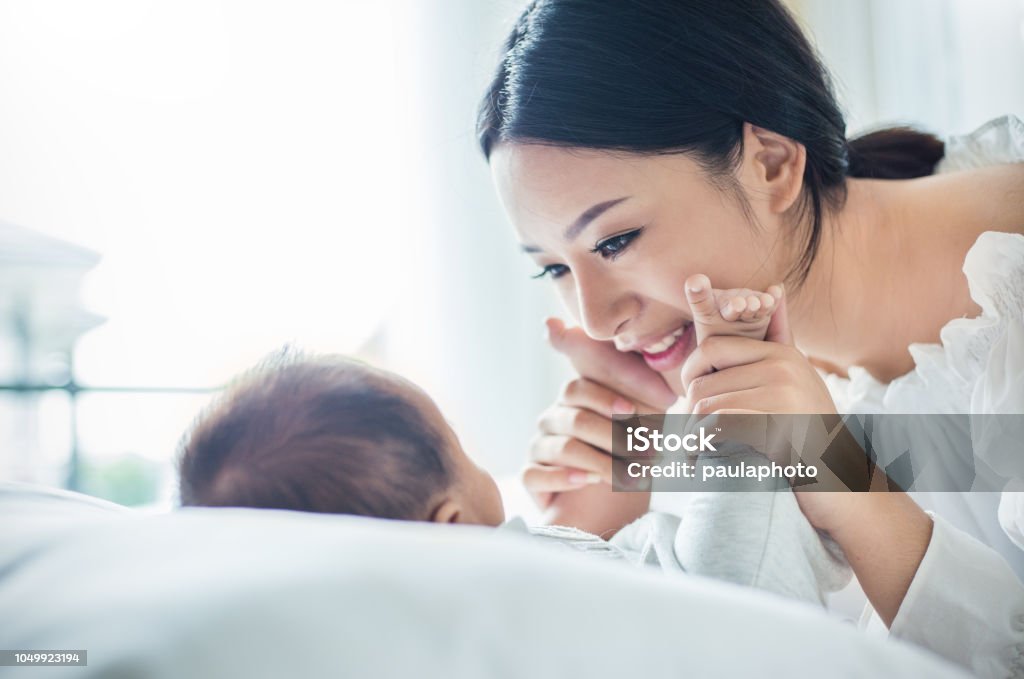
<point>253,593</point>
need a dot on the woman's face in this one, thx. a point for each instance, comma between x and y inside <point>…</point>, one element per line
<point>618,234</point>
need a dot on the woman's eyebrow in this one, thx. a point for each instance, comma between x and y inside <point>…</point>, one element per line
<point>589,215</point>
<point>583,221</point>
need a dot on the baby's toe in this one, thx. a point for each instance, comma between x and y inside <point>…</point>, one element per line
<point>733,307</point>
<point>765,307</point>
<point>753,310</point>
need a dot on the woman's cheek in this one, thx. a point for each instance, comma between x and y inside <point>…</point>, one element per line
<point>567,295</point>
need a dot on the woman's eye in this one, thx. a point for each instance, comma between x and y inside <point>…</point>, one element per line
<point>552,270</point>
<point>610,248</point>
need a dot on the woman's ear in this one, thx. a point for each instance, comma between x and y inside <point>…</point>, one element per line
<point>447,512</point>
<point>778,163</point>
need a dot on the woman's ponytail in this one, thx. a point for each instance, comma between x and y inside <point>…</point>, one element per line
<point>894,153</point>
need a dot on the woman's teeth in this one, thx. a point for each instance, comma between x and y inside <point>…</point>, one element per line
<point>664,343</point>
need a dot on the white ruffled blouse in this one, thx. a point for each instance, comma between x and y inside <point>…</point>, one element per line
<point>966,601</point>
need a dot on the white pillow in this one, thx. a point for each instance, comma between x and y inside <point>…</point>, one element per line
<point>222,593</point>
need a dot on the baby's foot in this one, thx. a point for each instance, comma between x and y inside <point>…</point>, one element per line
<point>739,311</point>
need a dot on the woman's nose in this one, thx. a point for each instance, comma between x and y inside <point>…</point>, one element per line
<point>603,310</point>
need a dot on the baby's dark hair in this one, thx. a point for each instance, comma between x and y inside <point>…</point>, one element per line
<point>318,434</point>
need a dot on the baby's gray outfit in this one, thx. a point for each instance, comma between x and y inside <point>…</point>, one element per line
<point>758,539</point>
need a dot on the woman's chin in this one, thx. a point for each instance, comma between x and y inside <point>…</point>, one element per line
<point>672,379</point>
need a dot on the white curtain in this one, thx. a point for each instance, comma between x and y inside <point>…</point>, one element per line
<point>469,325</point>
<point>946,65</point>
<point>256,172</point>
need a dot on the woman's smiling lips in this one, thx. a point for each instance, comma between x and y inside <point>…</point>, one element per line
<point>668,351</point>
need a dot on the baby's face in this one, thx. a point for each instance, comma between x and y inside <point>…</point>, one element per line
<point>473,489</point>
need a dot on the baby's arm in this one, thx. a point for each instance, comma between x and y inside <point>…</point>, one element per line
<point>760,539</point>
<point>596,509</point>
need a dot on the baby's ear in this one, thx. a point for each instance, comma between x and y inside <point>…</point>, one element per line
<point>447,512</point>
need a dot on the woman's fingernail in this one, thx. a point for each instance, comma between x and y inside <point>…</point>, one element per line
<point>622,406</point>
<point>583,478</point>
<point>552,330</point>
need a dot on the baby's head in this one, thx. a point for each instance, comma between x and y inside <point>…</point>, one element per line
<point>330,434</point>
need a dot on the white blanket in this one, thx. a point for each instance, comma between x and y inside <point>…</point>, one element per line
<point>255,593</point>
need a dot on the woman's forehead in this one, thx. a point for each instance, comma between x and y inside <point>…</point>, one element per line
<point>552,183</point>
<point>541,165</point>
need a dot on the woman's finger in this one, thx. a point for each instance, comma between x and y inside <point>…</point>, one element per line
<point>733,401</point>
<point>543,482</point>
<point>778,398</point>
<point>586,393</point>
<point>580,423</point>
<point>723,352</point>
<point>622,372</point>
<point>737,378</point>
<point>567,451</point>
<point>778,327</point>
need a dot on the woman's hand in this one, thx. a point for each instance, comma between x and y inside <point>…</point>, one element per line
<point>743,374</point>
<point>573,444</point>
<point>884,534</point>
<point>570,468</point>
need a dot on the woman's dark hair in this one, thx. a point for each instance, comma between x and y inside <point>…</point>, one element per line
<point>671,76</point>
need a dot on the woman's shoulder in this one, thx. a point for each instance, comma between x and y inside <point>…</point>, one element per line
<point>946,373</point>
<point>949,376</point>
<point>1000,140</point>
